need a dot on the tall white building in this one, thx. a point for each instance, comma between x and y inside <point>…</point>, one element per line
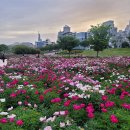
<point>66,32</point>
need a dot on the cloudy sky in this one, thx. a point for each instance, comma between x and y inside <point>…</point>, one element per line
<point>21,20</point>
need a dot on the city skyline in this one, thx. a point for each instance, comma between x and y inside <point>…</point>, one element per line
<point>22,20</point>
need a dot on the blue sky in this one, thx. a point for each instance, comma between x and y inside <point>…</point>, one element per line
<point>21,20</point>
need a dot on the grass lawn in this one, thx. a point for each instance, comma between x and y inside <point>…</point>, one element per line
<point>109,52</point>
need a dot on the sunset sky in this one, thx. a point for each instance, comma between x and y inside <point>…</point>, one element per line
<point>21,20</point>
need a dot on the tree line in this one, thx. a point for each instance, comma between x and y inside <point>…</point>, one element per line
<point>98,40</point>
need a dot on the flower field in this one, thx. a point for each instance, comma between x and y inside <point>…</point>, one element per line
<point>65,94</point>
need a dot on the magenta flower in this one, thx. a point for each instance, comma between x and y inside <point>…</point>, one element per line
<point>113,119</point>
<point>19,122</point>
<point>3,121</point>
<point>56,100</point>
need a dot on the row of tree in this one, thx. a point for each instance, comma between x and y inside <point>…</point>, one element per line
<point>98,39</point>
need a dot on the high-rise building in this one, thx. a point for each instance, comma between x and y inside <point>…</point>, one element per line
<point>66,32</point>
<point>81,36</point>
<point>39,43</point>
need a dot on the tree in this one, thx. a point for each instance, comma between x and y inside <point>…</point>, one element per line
<point>99,37</point>
<point>128,37</point>
<point>21,49</point>
<point>3,48</point>
<point>125,45</point>
<point>84,43</point>
<point>67,43</point>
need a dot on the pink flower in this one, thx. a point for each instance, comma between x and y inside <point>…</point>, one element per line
<point>3,121</point>
<point>104,110</point>
<point>11,119</point>
<point>77,107</point>
<point>127,106</point>
<point>67,103</point>
<point>109,104</point>
<point>19,122</point>
<point>66,95</point>
<point>48,128</point>
<point>75,98</point>
<point>82,105</point>
<point>114,119</point>
<point>104,97</point>
<point>90,115</point>
<point>112,91</point>
<point>90,108</point>
<point>25,83</point>
<point>13,95</point>
<point>101,105</point>
<point>56,100</point>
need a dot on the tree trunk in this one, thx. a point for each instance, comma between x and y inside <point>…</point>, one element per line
<point>97,53</point>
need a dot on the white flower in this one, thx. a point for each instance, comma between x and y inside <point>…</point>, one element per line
<point>11,116</point>
<point>68,123</point>
<point>35,106</point>
<point>56,113</point>
<point>62,113</point>
<point>102,92</point>
<point>29,105</point>
<point>48,128</point>
<point>19,103</point>
<point>42,119</point>
<point>4,113</point>
<point>62,124</point>
<point>2,100</point>
<point>11,108</point>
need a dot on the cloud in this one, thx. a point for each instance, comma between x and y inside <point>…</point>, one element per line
<point>22,19</point>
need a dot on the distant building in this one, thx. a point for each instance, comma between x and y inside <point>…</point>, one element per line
<point>127,29</point>
<point>39,43</point>
<point>66,32</point>
<point>81,36</point>
<point>113,29</point>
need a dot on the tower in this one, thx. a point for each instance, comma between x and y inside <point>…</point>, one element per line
<point>39,37</point>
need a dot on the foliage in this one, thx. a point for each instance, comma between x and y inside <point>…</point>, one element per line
<point>125,45</point>
<point>50,47</point>
<point>84,43</point>
<point>67,43</point>
<point>99,37</point>
<point>3,48</point>
<point>21,49</point>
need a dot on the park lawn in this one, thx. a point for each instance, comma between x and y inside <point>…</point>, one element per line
<point>109,52</point>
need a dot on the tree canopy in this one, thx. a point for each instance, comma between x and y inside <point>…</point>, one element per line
<point>99,37</point>
<point>68,43</point>
<point>21,49</point>
<point>84,43</point>
<point>3,48</point>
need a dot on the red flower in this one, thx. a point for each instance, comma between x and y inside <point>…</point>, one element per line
<point>41,98</point>
<point>67,103</point>
<point>104,97</point>
<point>114,119</point>
<point>19,122</point>
<point>36,92</point>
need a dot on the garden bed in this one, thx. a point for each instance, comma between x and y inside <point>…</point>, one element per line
<point>65,94</point>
